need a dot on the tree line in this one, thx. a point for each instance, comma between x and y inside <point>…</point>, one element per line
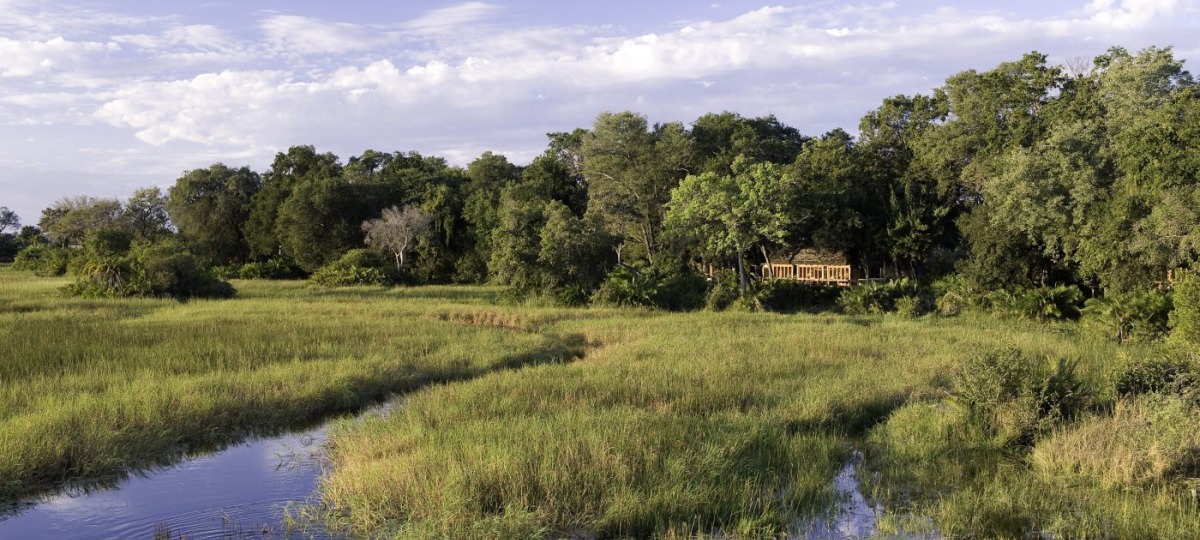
<point>1023,176</point>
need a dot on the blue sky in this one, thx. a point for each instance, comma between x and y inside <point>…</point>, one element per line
<point>103,97</point>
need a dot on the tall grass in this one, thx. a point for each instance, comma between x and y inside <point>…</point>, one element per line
<point>90,389</point>
<point>729,424</point>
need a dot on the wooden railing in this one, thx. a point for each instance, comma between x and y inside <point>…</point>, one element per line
<point>809,273</point>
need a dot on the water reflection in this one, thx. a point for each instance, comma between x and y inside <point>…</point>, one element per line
<point>240,492</point>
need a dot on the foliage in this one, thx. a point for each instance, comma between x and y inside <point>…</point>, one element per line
<point>210,207</point>
<point>1138,316</point>
<point>357,267</point>
<point>790,296</point>
<point>43,260</point>
<point>110,267</point>
<point>1184,320</point>
<point>627,286</point>
<point>1014,398</point>
<point>1144,375</point>
<point>879,297</point>
<point>1039,303</point>
<point>276,268</point>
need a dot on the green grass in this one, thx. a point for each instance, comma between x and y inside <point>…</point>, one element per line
<point>681,425</point>
<point>545,422</point>
<point>90,389</point>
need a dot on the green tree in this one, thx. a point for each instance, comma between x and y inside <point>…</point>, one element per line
<point>727,215</point>
<point>146,214</point>
<point>68,220</point>
<point>630,171</point>
<point>297,165</point>
<point>210,208</point>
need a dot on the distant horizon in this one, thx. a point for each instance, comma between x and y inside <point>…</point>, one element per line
<point>102,98</point>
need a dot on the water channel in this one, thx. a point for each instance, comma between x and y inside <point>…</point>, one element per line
<point>245,490</point>
<point>239,492</point>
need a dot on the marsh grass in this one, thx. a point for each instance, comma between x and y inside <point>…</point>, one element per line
<point>673,425</point>
<point>91,389</point>
<point>535,422</point>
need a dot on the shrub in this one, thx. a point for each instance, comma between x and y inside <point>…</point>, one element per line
<point>1152,375</point>
<point>1039,303</point>
<point>1185,318</point>
<point>161,269</point>
<point>277,268</point>
<point>788,296</point>
<point>955,294</point>
<point>1141,316</point>
<point>627,286</point>
<point>357,267</point>
<point>1013,398</point>
<point>722,291</point>
<point>43,259</point>
<point>877,297</point>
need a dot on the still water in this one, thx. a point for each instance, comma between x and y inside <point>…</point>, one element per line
<point>239,492</point>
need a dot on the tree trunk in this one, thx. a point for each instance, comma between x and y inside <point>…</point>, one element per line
<point>767,260</point>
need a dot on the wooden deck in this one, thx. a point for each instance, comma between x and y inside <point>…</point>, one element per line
<point>823,274</point>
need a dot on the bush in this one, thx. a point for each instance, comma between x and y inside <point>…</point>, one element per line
<point>627,286</point>
<point>277,268</point>
<point>790,296</point>
<point>874,298</point>
<point>162,269</point>
<point>1185,318</point>
<point>1039,303</point>
<point>954,294</point>
<point>357,267</point>
<point>43,260</point>
<point>1152,375</point>
<point>722,291</point>
<point>1140,316</point>
<point>1012,398</point>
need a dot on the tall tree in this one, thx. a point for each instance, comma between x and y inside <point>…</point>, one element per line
<point>726,215</point>
<point>210,208</point>
<point>146,214</point>
<point>630,171</point>
<point>297,165</point>
<point>8,220</point>
<point>68,220</point>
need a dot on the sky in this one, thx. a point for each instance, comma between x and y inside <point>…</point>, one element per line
<point>101,98</point>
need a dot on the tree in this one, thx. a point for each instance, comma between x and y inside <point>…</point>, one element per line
<point>727,215</point>
<point>298,165</point>
<point>210,207</point>
<point>487,176</point>
<point>630,172</point>
<point>146,214</point>
<point>396,229</point>
<point>8,220</point>
<point>67,221</point>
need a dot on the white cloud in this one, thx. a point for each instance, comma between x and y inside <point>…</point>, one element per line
<point>306,35</point>
<point>24,58</point>
<point>451,18</point>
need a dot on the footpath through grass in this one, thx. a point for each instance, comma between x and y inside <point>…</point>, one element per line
<point>91,389</point>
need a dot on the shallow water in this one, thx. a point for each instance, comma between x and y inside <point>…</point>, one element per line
<point>239,492</point>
